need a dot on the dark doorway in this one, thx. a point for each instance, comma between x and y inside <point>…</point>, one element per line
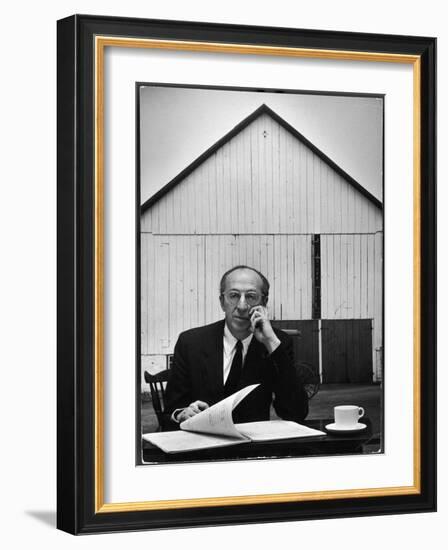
<point>305,340</point>
<point>347,351</point>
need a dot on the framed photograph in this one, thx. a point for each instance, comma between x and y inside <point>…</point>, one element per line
<point>246,274</point>
<point>263,196</point>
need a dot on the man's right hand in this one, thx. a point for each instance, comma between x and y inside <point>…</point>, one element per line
<point>192,410</point>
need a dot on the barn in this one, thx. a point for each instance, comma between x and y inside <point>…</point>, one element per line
<point>265,196</point>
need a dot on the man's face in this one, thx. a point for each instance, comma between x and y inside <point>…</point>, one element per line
<point>248,285</point>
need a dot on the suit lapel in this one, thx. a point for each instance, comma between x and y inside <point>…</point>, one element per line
<point>213,361</point>
<point>256,354</point>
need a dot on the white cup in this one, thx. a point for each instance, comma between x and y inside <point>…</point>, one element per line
<point>347,416</point>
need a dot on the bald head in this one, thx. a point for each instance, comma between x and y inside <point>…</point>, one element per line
<point>243,269</point>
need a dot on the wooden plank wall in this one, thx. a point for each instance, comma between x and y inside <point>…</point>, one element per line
<point>263,181</point>
<point>180,280</point>
<point>346,351</point>
<point>352,282</point>
<point>258,200</point>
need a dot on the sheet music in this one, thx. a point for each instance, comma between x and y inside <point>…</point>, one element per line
<point>217,419</point>
<point>214,427</point>
<point>276,429</point>
<point>181,441</point>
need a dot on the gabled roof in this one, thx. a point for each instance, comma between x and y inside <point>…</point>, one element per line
<point>263,109</point>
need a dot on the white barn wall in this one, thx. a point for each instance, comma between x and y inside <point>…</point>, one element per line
<point>351,288</point>
<point>258,200</point>
<point>263,185</point>
<point>181,273</point>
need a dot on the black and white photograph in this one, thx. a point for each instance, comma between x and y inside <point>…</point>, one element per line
<point>260,267</point>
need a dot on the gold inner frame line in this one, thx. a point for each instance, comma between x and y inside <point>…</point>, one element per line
<point>101,42</point>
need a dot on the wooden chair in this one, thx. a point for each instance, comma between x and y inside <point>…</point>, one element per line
<point>309,374</point>
<point>310,378</point>
<point>157,383</point>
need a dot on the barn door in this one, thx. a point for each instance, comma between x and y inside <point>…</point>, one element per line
<point>306,342</point>
<point>347,351</point>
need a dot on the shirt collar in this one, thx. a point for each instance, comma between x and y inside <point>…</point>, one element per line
<point>230,341</point>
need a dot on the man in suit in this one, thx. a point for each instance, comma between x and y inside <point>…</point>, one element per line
<point>214,361</point>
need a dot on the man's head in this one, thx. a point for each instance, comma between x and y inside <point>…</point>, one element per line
<point>242,288</point>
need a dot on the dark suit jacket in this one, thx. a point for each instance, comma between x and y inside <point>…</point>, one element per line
<point>197,373</point>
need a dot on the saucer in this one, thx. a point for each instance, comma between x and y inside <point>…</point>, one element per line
<point>353,429</point>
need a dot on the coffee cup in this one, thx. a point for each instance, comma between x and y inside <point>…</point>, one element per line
<point>347,416</point>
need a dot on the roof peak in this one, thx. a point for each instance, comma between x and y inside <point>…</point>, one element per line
<point>263,108</point>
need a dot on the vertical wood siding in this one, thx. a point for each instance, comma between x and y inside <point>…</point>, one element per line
<point>258,200</point>
<point>181,274</point>
<point>352,285</point>
<point>263,181</point>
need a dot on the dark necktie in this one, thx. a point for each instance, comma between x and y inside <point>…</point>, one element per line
<point>234,376</point>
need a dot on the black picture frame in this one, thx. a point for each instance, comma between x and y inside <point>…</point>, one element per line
<point>80,503</point>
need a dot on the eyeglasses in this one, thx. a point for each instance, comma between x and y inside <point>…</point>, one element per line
<point>252,298</point>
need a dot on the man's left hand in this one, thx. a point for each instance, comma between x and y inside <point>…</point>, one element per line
<point>262,328</point>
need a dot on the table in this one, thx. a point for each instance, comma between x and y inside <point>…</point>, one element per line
<point>329,444</point>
